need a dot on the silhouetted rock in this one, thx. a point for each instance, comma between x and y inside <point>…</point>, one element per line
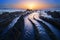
<point>54,14</point>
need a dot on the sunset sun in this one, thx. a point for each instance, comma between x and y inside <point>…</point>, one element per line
<point>31,6</point>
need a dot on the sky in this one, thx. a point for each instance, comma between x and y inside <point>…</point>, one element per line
<point>29,4</point>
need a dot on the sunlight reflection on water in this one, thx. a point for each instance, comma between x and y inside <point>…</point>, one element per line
<point>35,14</point>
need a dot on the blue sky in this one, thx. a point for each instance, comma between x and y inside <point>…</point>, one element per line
<point>3,3</point>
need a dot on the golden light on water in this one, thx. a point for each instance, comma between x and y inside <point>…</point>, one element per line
<point>34,15</point>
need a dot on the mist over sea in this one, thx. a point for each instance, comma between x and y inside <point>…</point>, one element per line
<point>13,10</point>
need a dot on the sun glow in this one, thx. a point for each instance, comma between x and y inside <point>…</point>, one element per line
<point>30,6</point>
